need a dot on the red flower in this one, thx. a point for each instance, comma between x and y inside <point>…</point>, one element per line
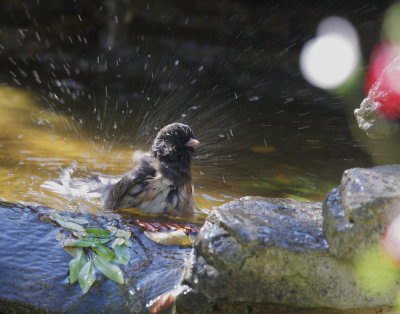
<point>383,80</point>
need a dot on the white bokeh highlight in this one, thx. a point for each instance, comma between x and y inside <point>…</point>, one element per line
<point>331,57</point>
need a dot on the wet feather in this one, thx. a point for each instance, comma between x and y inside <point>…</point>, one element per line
<point>161,182</point>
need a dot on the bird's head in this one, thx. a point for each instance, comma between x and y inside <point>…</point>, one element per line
<point>174,142</point>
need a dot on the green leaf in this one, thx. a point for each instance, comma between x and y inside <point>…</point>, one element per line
<point>109,270</point>
<point>71,225</point>
<point>73,251</point>
<point>66,223</point>
<point>87,276</point>
<point>99,233</point>
<point>79,234</point>
<point>104,251</point>
<point>79,221</point>
<point>123,234</point>
<point>122,254</point>
<point>75,265</point>
<point>118,241</point>
<point>128,242</point>
<point>176,237</point>
<point>113,229</point>
<point>86,242</point>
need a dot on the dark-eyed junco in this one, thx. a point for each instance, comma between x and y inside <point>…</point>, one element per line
<point>161,182</point>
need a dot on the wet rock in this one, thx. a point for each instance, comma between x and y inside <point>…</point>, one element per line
<point>372,124</point>
<point>379,113</point>
<point>281,251</point>
<point>251,253</point>
<point>358,211</point>
<point>34,269</point>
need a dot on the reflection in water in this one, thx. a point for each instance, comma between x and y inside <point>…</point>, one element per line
<point>32,154</point>
<point>38,145</point>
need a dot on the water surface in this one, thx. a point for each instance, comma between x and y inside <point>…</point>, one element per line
<point>283,154</point>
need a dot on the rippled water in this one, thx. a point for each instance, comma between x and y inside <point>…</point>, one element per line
<point>81,109</point>
<point>298,154</point>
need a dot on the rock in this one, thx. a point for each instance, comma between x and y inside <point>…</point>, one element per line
<point>379,113</point>
<point>34,269</point>
<point>251,254</point>
<point>371,123</point>
<point>262,251</point>
<point>358,211</point>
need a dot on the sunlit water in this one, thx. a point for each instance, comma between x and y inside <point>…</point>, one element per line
<point>250,145</point>
<point>39,145</point>
<point>288,155</point>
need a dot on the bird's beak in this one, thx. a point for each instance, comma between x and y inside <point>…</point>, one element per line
<point>192,142</point>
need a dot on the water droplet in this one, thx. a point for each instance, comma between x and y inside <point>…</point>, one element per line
<point>254,98</point>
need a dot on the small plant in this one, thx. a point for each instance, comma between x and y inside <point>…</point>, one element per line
<point>88,246</point>
<point>91,250</point>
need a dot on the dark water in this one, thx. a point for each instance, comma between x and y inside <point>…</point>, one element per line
<point>289,154</point>
<point>90,90</point>
<point>251,144</point>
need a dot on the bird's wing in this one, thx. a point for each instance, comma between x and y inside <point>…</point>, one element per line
<point>114,194</point>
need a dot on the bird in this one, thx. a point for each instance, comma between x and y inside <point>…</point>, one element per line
<point>161,182</point>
